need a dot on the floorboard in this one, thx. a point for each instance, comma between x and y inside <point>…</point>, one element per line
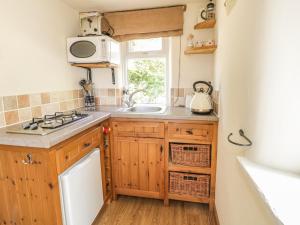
<point>141,211</point>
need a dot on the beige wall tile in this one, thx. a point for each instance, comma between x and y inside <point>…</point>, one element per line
<point>75,94</point>
<point>45,98</point>
<point>23,101</point>
<point>70,105</point>
<point>97,100</point>
<point>36,111</point>
<point>2,121</point>
<point>1,104</point>
<point>81,102</point>
<point>103,92</point>
<point>35,100</point>
<point>11,117</point>
<point>63,106</point>
<point>111,92</point>
<point>81,93</point>
<point>49,109</point>
<point>54,97</point>
<point>10,103</point>
<point>25,114</point>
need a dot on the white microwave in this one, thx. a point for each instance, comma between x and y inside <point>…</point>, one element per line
<point>93,49</point>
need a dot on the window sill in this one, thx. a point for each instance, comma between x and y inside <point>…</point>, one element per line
<point>279,190</point>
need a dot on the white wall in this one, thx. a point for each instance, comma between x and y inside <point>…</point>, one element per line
<point>193,67</point>
<point>32,46</point>
<point>257,73</point>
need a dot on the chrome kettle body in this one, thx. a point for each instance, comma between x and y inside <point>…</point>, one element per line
<point>201,102</point>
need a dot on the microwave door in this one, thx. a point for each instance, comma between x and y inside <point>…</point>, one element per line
<point>83,49</point>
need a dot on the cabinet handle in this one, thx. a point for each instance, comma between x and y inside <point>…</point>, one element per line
<point>161,149</point>
<point>189,131</point>
<point>86,145</point>
<point>28,160</point>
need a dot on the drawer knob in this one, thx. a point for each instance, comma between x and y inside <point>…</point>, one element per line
<point>28,160</point>
<point>189,131</point>
<point>86,145</point>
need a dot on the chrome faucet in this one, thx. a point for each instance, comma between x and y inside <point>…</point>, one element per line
<point>129,102</point>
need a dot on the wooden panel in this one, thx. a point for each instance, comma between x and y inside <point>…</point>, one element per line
<point>68,154</point>
<point>27,190</point>
<point>191,132</point>
<point>143,167</point>
<point>125,163</point>
<point>139,164</point>
<point>134,168</point>
<point>139,129</point>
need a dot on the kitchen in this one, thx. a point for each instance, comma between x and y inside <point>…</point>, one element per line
<point>117,142</point>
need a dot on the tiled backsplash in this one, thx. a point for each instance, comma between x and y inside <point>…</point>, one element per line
<point>108,96</point>
<point>19,108</point>
<point>178,97</point>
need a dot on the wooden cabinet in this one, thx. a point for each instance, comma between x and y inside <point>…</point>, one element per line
<point>191,131</point>
<point>28,188</point>
<point>138,167</point>
<point>139,129</point>
<point>68,153</point>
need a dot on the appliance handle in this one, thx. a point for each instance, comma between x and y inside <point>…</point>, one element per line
<point>210,90</point>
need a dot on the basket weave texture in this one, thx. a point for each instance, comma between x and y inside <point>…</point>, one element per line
<point>195,185</point>
<point>190,155</point>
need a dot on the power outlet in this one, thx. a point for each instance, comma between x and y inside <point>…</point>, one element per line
<point>229,5</point>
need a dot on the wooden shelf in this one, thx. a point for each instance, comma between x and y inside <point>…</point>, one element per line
<point>205,25</point>
<point>188,169</point>
<point>201,50</point>
<point>95,65</point>
<point>187,198</point>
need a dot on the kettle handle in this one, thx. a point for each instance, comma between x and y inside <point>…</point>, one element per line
<point>202,16</point>
<point>210,90</point>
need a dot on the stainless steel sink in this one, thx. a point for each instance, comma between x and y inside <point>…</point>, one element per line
<point>144,109</point>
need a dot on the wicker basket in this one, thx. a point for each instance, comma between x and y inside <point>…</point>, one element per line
<point>190,155</point>
<point>195,185</point>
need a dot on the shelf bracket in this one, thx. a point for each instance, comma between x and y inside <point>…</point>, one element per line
<point>113,76</point>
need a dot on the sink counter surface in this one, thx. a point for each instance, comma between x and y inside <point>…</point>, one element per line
<point>102,113</point>
<point>170,113</point>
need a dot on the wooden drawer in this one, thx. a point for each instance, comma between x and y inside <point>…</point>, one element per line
<point>139,129</point>
<point>67,154</point>
<point>190,131</point>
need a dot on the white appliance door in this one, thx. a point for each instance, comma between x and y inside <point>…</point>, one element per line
<point>81,191</point>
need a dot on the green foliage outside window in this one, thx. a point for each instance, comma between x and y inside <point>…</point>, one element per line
<point>148,74</point>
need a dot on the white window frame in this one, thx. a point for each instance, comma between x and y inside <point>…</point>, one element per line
<point>163,53</point>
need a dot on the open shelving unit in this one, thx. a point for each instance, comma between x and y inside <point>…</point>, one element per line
<point>201,50</point>
<point>90,66</point>
<point>205,25</point>
<point>206,49</point>
<point>198,133</point>
<point>95,65</point>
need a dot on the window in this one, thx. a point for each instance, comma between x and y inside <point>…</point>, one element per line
<point>147,69</point>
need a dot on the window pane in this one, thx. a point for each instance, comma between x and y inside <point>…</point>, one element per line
<point>145,45</point>
<point>148,74</point>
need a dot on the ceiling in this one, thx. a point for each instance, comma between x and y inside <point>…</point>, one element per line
<point>118,5</point>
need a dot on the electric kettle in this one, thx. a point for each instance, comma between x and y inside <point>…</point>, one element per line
<point>201,102</point>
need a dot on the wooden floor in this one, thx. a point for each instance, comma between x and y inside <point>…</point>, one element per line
<point>141,211</point>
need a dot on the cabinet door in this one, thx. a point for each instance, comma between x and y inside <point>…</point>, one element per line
<point>138,167</point>
<point>26,189</point>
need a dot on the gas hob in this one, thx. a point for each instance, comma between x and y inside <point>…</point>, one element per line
<point>47,124</point>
